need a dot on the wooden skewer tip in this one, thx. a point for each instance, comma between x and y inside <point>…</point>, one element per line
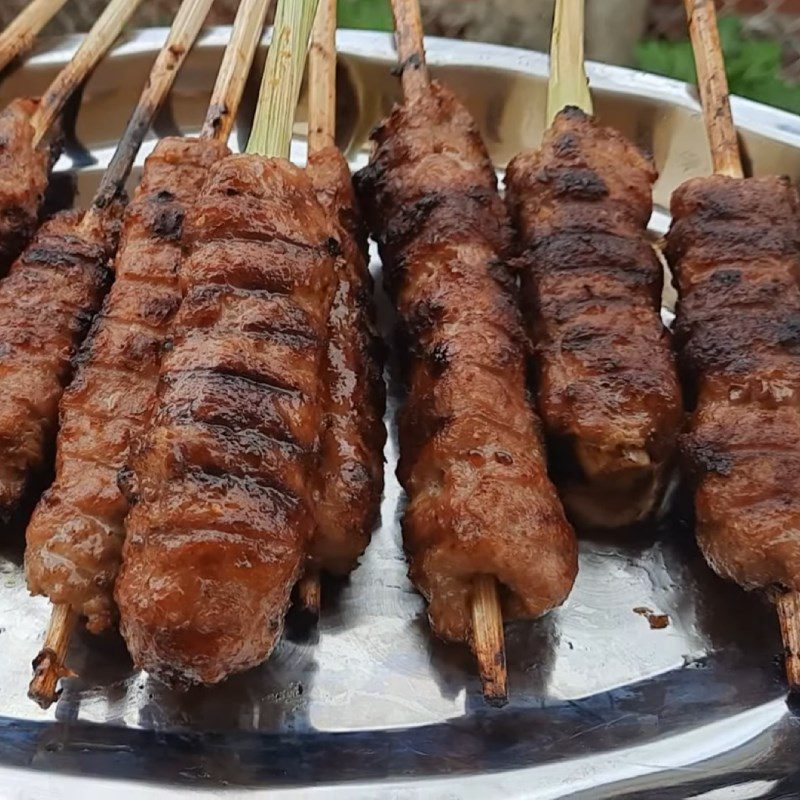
<point>48,666</point>
<point>410,47</point>
<point>488,640</point>
<point>788,607</point>
<point>309,594</point>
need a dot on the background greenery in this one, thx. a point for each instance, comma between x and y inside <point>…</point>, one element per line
<point>374,15</point>
<point>753,64</point>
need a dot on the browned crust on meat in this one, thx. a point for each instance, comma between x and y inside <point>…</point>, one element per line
<point>607,386</point>
<point>735,248</point>
<point>74,539</point>
<point>47,302</point>
<point>24,173</point>
<point>472,461</point>
<point>221,483</point>
<point>351,475</point>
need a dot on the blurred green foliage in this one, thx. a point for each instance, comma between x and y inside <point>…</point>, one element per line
<point>753,65</point>
<point>373,15</point>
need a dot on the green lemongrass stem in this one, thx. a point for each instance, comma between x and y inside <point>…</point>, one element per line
<point>280,88</point>
<point>568,85</point>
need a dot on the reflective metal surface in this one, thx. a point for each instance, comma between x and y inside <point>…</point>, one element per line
<point>602,704</point>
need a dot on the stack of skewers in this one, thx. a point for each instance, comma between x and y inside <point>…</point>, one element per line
<point>209,375</point>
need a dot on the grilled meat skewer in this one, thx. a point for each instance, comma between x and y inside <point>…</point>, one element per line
<point>607,386</point>
<point>25,158</point>
<point>348,496</point>
<point>472,461</point>
<point>221,484</point>
<point>350,480</point>
<point>33,338</point>
<point>74,539</point>
<point>735,249</point>
<point>75,536</point>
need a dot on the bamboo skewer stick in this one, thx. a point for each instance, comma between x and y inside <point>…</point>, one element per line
<point>322,79</point>
<point>488,642</point>
<point>788,607</point>
<point>97,42</point>
<point>726,158</point>
<point>283,74</point>
<point>20,35</point>
<point>568,84</point>
<point>185,29</point>
<point>232,75</point>
<point>49,664</point>
<point>713,84</point>
<point>321,134</point>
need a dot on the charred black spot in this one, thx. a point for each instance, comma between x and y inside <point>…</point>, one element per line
<point>579,337</point>
<point>333,247</point>
<point>165,196</point>
<point>566,145</point>
<point>128,485</point>
<point>788,332</point>
<point>574,112</point>
<point>439,358</point>
<point>168,223</point>
<point>215,114</point>
<point>424,316</point>
<point>704,457</point>
<point>727,277</point>
<point>414,61</point>
<point>578,184</point>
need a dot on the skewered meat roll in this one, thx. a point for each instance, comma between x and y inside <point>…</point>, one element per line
<point>221,485</point>
<point>734,245</point>
<point>348,496</point>
<point>47,301</point>
<point>75,535</point>
<point>472,461</point>
<point>24,173</point>
<point>607,387</point>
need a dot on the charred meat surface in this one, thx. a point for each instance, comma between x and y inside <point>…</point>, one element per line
<point>735,248</point>
<point>348,496</point>
<point>47,302</point>
<point>607,385</point>
<point>221,483</point>
<point>472,461</point>
<point>24,173</point>
<point>74,539</point>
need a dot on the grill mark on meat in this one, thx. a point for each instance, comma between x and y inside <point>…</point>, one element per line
<point>471,459</point>
<point>735,250</point>
<point>591,286</point>
<point>24,173</point>
<point>36,350</point>
<point>76,533</point>
<point>194,608</point>
<point>575,184</point>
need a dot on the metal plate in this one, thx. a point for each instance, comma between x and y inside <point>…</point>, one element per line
<point>369,705</point>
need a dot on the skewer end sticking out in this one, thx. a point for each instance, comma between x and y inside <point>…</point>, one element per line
<point>48,666</point>
<point>488,641</point>
<point>410,48</point>
<point>310,594</point>
<point>788,605</point>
